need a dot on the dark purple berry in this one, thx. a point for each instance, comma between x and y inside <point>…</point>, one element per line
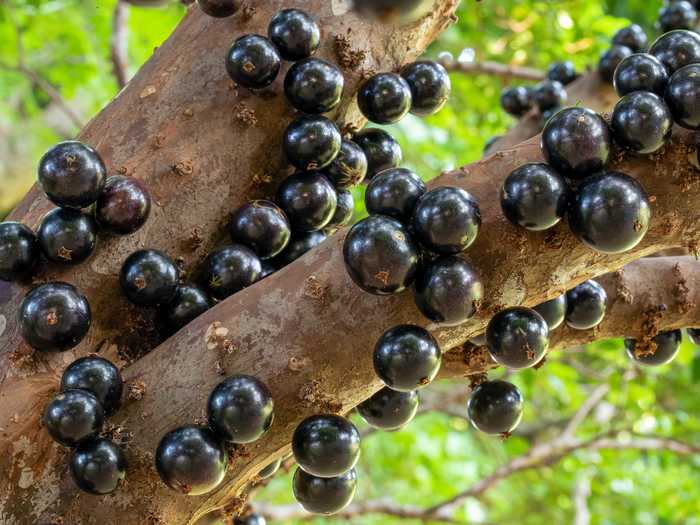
<point>309,200</point>
<point>240,409</point>
<point>633,37</point>
<point>641,122</point>
<point>219,8</point>
<point>298,246</point>
<point>72,174</point>
<point>394,192</point>
<point>314,85</point>
<point>311,142</point>
<point>679,14</point>
<point>250,519</point>
<point>295,33</point>
<point>326,445</point>
<point>610,59</point>
<point>190,302</point>
<point>67,236</point>
<point>407,358</point>
<point>549,94</point>
<point>124,205</point>
<point>576,142</point>
<point>517,100</point>
<point>324,495</point>
<point>640,72</point>
<point>98,466</point>
<point>495,407</point>
<point>585,305</point>
<point>253,62</point>
<point>517,337</point>
<point>380,255</point>
<point>694,335</point>
<point>149,278</point>
<point>349,168</point>
<point>661,350</point>
<point>73,417</point>
<point>191,460</point>
<point>683,96</point>
<point>268,267</point>
<point>430,86</point>
<point>262,226</point>
<point>99,377</point>
<point>385,98</point>
<point>381,149</point>
<point>562,72</point>
<point>229,269</point>
<point>19,251</point>
<point>389,409</point>
<point>343,211</point>
<point>676,49</point>
<point>270,470</point>
<point>548,114</point>
<point>610,212</point>
<point>553,311</point>
<point>54,316</point>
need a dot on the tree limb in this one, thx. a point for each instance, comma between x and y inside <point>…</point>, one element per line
<point>490,68</point>
<point>119,43</point>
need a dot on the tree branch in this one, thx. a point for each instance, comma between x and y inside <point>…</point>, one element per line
<point>490,68</point>
<point>119,43</point>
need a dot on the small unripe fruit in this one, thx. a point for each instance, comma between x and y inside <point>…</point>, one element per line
<point>495,407</point>
<point>407,358</point>
<point>253,62</point>
<point>98,466</point>
<point>149,278</point>
<point>326,445</point>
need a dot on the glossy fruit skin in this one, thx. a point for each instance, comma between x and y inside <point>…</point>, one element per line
<point>553,311</point>
<point>394,192</point>
<point>229,269</point>
<point>349,168</point>
<point>385,98</point>
<point>676,49</point>
<point>148,278</point>
<point>640,72</point>
<point>517,337</point>
<point>250,519</point>
<point>54,317</point>
<point>191,460</point>
<point>683,96</point>
<point>534,196</point>
<point>311,142</point>
<point>326,445</point>
<point>298,246</point>
<point>219,8</point>
<point>694,335</point>
<point>641,122</point>
<point>380,255</point>
<point>19,251</point>
<point>189,302</point>
<point>324,495</point>
<point>448,290</point>
<point>270,470</point>
<point>308,199</point>
<point>262,226</point>
<point>73,417</point>
<point>98,376</point>
<point>446,220</point>
<point>295,33</point>
<point>123,206</point>
<point>72,174</point>
<point>495,407</point>
<point>632,36</point>
<point>563,72</point>
<point>586,305</point>
<point>516,100</point>
<point>240,409</point>
<point>314,85</point>
<point>430,86</point>
<point>67,236</point>
<point>576,142</point>
<point>668,344</point>
<point>549,94</point>
<point>382,150</point>
<point>98,466</point>
<point>679,14</point>
<point>389,409</point>
<point>610,212</point>
<point>610,59</point>
<point>407,358</point>
<point>344,210</point>
<point>253,62</point>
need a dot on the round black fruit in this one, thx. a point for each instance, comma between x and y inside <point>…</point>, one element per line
<point>19,251</point>
<point>99,377</point>
<point>407,358</point>
<point>640,72</point>
<point>495,407</point>
<point>270,470</point>
<point>124,205</point>
<point>683,96</point>
<point>549,94</point>
<point>72,174</point>
<point>309,200</point>
<point>641,122</point>
<point>380,255</point>
<point>350,166</point>
<point>98,466</point>
<point>73,417</point>
<point>262,226</point>
<point>610,212</point>
<point>679,14</point>
<point>314,85</point>
<point>447,220</point>
<point>67,236</point>
<point>389,409</point>
<point>585,305</point>
<point>344,210</point>
<point>610,59</point>
<point>385,98</point>
<point>253,62</point>
<point>240,409</point>
<point>149,278</point>
<point>219,8</point>
<point>324,495</point>
<point>54,316</point>
<point>430,86</point>
<point>676,49</point>
<point>534,197</point>
<point>448,290</point>
<point>191,460</point>
<point>517,337</point>
<point>553,311</point>
<point>576,142</point>
<point>229,269</point>
<point>632,36</point>
<point>295,33</point>
<point>516,100</point>
<point>326,445</point>
<point>190,302</point>
<point>298,246</point>
<point>663,348</point>
<point>311,142</point>
<point>563,72</point>
<point>382,150</point>
<point>394,192</point>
